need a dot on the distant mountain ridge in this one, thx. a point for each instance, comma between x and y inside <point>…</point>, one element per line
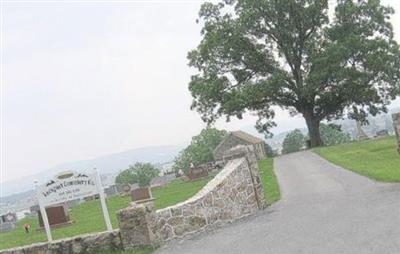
<point>105,164</point>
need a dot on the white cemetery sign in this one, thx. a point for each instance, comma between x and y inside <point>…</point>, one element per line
<point>67,186</point>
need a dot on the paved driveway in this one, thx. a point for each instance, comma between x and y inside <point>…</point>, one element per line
<point>324,209</point>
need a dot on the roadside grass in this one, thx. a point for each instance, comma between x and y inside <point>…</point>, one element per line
<point>270,182</point>
<point>88,218</point>
<point>376,159</point>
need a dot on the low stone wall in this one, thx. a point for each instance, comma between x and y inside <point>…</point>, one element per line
<point>396,125</point>
<point>234,193</point>
<point>227,197</point>
<point>90,243</point>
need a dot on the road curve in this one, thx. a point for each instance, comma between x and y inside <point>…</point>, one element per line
<point>324,209</point>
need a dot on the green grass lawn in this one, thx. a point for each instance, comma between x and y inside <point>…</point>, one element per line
<point>88,217</point>
<point>270,183</point>
<point>376,159</point>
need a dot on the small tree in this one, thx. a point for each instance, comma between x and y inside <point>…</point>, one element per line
<point>200,149</point>
<point>140,173</point>
<point>125,176</point>
<point>333,135</point>
<point>293,142</point>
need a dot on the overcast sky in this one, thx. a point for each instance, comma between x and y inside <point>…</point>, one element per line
<point>83,80</point>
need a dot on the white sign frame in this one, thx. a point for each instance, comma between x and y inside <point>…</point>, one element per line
<point>67,186</point>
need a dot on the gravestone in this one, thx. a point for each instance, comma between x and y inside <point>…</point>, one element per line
<point>197,172</point>
<point>141,195</point>
<point>111,190</point>
<point>9,217</point>
<point>57,215</point>
<point>124,188</point>
<point>382,133</point>
<point>396,125</point>
<point>8,222</point>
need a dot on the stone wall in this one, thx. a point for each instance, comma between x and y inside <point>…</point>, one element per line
<point>90,243</point>
<point>234,193</point>
<point>396,125</point>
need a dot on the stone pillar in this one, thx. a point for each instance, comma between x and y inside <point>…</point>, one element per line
<point>137,226</point>
<point>251,157</point>
<point>396,125</point>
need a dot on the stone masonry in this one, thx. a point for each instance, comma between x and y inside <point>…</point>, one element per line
<point>234,193</point>
<point>90,243</point>
<point>396,125</point>
<point>137,225</point>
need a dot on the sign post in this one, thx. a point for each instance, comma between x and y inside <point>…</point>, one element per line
<point>69,186</point>
<point>46,223</point>
<point>102,200</point>
<point>44,217</point>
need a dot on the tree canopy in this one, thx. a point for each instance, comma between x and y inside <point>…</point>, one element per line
<point>140,173</point>
<point>200,149</point>
<point>256,55</point>
<point>293,142</point>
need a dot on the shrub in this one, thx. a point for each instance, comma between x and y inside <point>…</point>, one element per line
<point>293,142</point>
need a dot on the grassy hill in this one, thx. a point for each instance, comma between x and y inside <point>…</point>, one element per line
<point>376,159</point>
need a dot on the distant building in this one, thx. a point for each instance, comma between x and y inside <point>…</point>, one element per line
<point>236,138</point>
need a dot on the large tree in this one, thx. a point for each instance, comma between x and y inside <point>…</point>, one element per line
<point>255,55</point>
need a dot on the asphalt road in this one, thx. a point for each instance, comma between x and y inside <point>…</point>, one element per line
<point>324,209</point>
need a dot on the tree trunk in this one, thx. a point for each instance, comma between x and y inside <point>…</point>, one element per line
<point>313,130</point>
